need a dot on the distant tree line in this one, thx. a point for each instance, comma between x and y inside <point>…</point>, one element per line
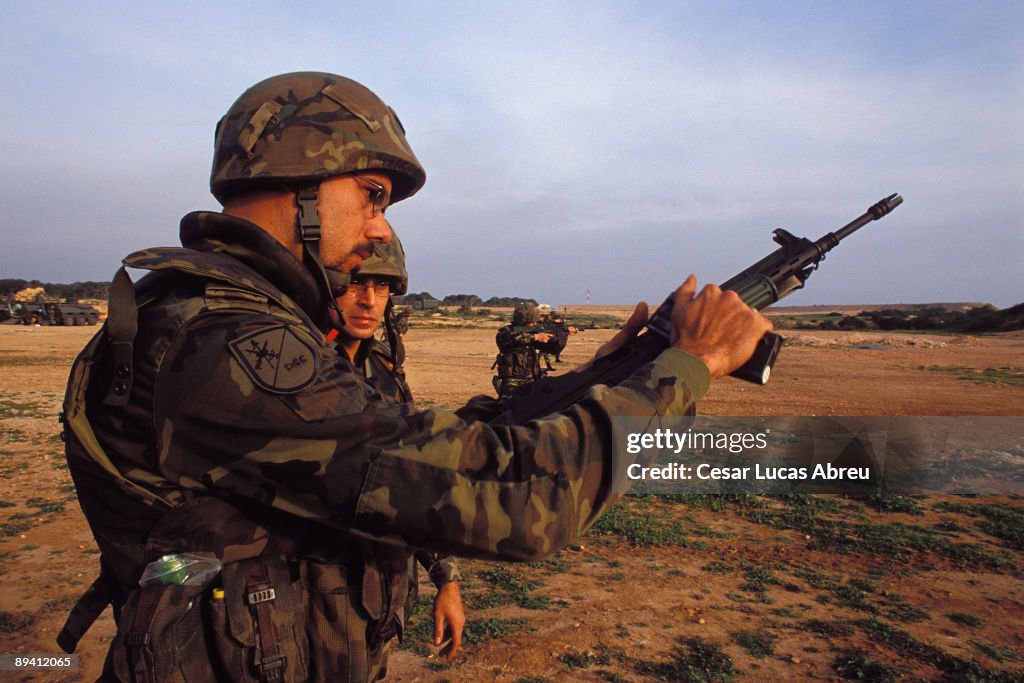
<point>464,300</point>
<point>474,300</point>
<point>978,319</point>
<point>100,290</point>
<point>54,290</point>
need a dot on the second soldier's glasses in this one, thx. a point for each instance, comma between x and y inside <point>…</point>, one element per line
<point>359,286</point>
<point>378,195</point>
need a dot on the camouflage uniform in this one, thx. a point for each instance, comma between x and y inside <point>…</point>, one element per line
<point>517,360</point>
<point>554,325</point>
<point>388,261</point>
<point>399,323</point>
<point>401,316</point>
<point>211,415</point>
<point>373,360</point>
<point>382,368</point>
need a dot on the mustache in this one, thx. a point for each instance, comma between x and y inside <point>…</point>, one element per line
<point>367,248</point>
<point>339,279</point>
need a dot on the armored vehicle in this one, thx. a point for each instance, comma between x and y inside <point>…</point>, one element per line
<point>48,312</point>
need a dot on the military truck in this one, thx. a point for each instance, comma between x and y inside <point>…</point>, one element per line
<point>418,302</point>
<point>48,312</point>
<point>426,304</point>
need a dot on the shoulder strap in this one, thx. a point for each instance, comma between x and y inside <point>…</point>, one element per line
<point>122,325</point>
<point>215,266</point>
<point>89,607</point>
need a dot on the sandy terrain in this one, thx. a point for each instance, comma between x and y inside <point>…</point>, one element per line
<point>757,589</point>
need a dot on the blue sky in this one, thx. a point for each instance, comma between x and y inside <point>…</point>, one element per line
<point>609,147</point>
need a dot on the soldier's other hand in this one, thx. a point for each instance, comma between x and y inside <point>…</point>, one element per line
<point>716,326</point>
<point>543,337</point>
<point>632,328</point>
<point>449,620</point>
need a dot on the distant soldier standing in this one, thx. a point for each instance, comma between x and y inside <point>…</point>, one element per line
<point>553,323</point>
<point>399,316</point>
<point>517,361</point>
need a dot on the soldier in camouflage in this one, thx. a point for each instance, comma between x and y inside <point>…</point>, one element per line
<point>365,304</point>
<point>518,361</point>
<point>398,318</point>
<point>212,416</point>
<point>553,323</point>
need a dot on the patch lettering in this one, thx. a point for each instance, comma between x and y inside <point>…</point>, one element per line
<point>277,360</point>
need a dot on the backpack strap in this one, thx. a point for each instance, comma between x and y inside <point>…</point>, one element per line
<point>270,660</point>
<point>140,652</point>
<point>89,607</point>
<point>122,326</point>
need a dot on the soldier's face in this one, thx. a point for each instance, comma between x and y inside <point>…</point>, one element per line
<point>363,312</point>
<point>350,224</point>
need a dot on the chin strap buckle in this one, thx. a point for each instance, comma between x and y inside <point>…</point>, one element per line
<point>309,233</point>
<point>309,218</point>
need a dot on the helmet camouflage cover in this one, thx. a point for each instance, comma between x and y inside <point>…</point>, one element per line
<point>388,260</point>
<point>524,314</point>
<point>308,126</point>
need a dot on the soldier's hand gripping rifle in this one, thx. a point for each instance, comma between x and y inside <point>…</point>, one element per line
<point>762,284</point>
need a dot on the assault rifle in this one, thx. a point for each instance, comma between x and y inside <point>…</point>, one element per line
<point>762,284</point>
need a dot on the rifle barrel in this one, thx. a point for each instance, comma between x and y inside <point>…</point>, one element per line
<point>875,212</point>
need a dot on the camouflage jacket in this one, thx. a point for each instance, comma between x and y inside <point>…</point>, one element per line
<point>559,332</point>
<point>517,353</point>
<point>373,360</point>
<point>254,405</point>
<point>228,390</point>
<point>513,336</point>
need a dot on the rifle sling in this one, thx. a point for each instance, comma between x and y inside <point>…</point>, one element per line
<point>87,610</point>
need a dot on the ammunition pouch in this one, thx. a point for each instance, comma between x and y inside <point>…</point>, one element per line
<point>266,617</point>
<point>262,625</point>
<point>516,366</point>
<point>519,363</point>
<point>257,622</point>
<point>160,637</point>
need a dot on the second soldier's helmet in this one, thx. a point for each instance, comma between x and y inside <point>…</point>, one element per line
<point>524,314</point>
<point>299,128</point>
<point>388,260</point>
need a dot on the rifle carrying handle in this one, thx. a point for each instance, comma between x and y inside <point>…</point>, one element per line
<point>759,368</point>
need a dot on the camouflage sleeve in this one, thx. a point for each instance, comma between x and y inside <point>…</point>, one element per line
<point>269,414</point>
<point>441,569</point>
<point>510,337</point>
<point>503,338</point>
<point>482,407</point>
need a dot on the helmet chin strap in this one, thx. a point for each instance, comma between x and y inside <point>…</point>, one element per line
<point>331,281</point>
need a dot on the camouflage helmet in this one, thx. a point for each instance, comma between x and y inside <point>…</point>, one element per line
<point>388,260</point>
<point>308,126</point>
<point>524,314</point>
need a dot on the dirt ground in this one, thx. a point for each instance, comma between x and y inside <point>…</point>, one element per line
<point>927,588</point>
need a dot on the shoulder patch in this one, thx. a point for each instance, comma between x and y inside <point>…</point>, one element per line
<point>277,359</point>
